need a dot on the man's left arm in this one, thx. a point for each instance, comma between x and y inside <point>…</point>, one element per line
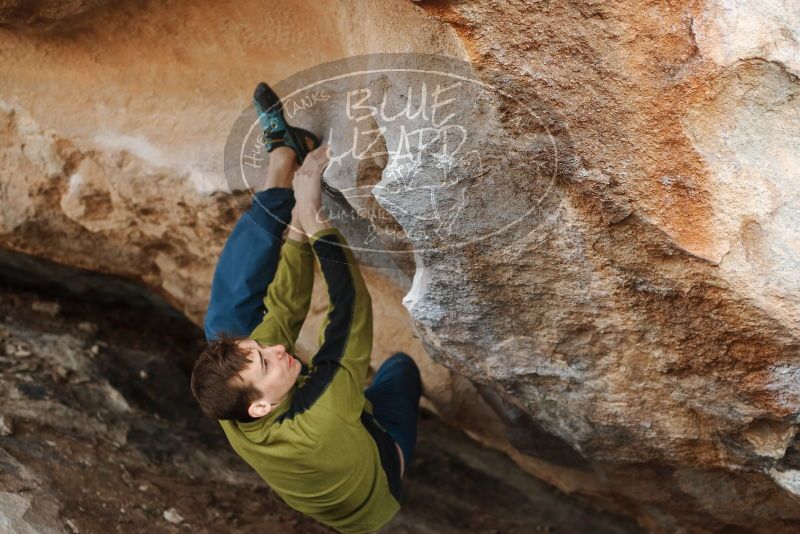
<point>346,334</point>
<point>338,370</point>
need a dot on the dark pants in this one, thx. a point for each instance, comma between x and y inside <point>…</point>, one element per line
<point>394,394</point>
<point>247,265</point>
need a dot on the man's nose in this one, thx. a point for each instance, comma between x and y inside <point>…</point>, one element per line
<point>280,349</point>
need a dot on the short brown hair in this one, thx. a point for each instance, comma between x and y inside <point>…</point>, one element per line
<point>213,384</point>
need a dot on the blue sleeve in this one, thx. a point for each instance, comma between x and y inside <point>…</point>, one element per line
<point>247,265</point>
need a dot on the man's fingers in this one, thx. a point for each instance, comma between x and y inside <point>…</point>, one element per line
<point>324,158</point>
<point>316,160</point>
<point>307,177</point>
<point>320,154</point>
<point>323,150</point>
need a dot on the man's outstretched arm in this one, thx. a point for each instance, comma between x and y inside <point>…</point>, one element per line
<point>346,334</point>
<point>288,296</point>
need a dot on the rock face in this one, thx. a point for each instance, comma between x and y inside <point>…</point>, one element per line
<point>99,432</point>
<point>633,339</point>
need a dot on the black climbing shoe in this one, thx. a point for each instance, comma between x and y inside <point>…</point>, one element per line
<point>277,131</point>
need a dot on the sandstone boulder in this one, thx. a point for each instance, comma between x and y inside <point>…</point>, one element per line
<point>627,330</point>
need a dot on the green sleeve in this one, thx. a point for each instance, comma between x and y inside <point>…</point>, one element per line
<point>288,297</point>
<point>334,386</point>
<point>346,332</point>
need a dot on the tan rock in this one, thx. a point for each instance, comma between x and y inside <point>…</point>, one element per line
<point>634,340</point>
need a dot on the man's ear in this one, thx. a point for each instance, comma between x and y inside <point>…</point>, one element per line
<point>259,408</point>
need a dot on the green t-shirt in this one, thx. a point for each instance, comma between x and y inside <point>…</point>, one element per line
<point>321,450</point>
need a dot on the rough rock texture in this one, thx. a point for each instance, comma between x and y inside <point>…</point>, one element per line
<point>650,321</point>
<point>99,433</point>
<point>634,339</point>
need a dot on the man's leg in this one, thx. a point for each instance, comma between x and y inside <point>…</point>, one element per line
<point>394,394</point>
<point>248,261</point>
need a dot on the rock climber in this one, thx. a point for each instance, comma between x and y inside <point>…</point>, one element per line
<point>328,447</point>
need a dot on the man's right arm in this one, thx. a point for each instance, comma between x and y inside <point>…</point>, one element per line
<point>289,294</point>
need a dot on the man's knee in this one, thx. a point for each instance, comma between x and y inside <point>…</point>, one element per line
<point>407,364</point>
<point>401,358</point>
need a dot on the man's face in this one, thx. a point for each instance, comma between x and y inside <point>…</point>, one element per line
<point>272,371</point>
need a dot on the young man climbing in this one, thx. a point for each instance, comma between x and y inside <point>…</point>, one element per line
<point>326,446</point>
